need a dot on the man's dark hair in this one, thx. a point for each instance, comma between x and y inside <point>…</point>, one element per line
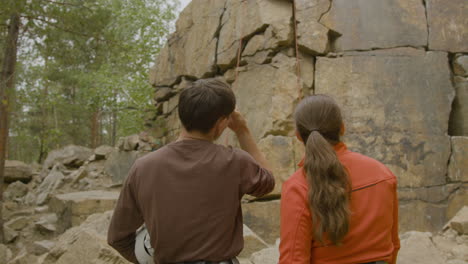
<point>204,102</point>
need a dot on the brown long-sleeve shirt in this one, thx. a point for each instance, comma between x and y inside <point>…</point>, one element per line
<point>188,194</point>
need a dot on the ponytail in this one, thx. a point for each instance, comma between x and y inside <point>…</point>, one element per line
<point>329,184</point>
<point>328,189</point>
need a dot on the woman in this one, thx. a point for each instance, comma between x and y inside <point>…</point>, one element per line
<point>340,206</point>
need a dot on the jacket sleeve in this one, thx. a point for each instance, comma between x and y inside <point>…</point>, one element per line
<point>296,225</point>
<point>125,220</point>
<point>255,180</point>
<point>395,237</point>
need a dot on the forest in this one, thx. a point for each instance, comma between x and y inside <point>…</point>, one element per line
<point>76,72</point>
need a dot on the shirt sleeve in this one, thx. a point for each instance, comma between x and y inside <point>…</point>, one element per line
<point>125,220</point>
<point>395,237</point>
<point>296,226</point>
<point>255,180</point>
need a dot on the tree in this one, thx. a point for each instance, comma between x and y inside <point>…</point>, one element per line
<point>81,66</point>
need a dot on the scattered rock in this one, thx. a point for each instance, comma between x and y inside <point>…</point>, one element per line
<point>73,208</point>
<point>18,223</point>
<point>103,152</point>
<point>10,234</point>
<point>252,243</point>
<point>78,175</point>
<point>70,156</point>
<point>47,224</point>
<point>460,65</point>
<point>17,171</point>
<point>52,182</point>
<point>5,254</point>
<point>266,256</point>
<point>459,222</point>
<point>41,247</point>
<point>263,218</point>
<point>15,190</point>
<point>119,163</point>
<point>23,258</point>
<point>417,248</point>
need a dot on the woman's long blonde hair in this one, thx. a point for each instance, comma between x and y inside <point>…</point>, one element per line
<point>319,122</point>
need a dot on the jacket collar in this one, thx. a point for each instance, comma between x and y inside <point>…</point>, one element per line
<point>339,148</point>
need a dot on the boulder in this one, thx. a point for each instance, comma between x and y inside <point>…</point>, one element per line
<point>52,182</point>
<point>78,175</point>
<point>23,258</point>
<point>370,24</point>
<point>89,248</point>
<point>128,143</point>
<point>42,247</point>
<point>191,51</point>
<point>252,243</point>
<point>17,171</point>
<point>458,166</point>
<point>263,218</point>
<point>70,156</point>
<point>47,224</point>
<point>10,234</point>
<point>459,116</point>
<point>96,224</point>
<point>266,256</point>
<point>401,131</point>
<point>73,208</point>
<point>460,65</point>
<point>417,248</point>
<point>447,22</point>
<point>103,152</point>
<point>5,254</point>
<point>459,222</point>
<point>119,163</point>
<point>15,190</point>
<point>457,200</point>
<point>18,223</point>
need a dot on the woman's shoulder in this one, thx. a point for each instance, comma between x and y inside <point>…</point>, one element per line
<point>296,181</point>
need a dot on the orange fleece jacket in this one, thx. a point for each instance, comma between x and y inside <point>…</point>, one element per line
<point>373,234</point>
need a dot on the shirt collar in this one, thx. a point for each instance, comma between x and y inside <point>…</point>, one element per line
<point>339,148</point>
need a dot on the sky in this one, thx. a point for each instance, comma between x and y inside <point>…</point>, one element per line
<point>184,3</point>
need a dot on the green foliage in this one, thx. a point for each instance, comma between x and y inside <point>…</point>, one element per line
<point>79,59</point>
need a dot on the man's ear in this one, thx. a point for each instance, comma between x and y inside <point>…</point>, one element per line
<point>342,129</point>
<point>299,136</point>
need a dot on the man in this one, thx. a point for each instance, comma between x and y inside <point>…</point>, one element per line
<point>188,193</point>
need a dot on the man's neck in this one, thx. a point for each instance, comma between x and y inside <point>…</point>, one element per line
<point>195,135</point>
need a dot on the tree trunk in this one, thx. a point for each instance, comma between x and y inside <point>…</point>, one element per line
<point>95,128</point>
<point>7,85</point>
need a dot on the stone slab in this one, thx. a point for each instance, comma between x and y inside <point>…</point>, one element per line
<point>388,105</point>
<point>447,25</point>
<point>377,24</point>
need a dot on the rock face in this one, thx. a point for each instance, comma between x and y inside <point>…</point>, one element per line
<point>73,208</point>
<point>417,247</point>
<point>458,167</point>
<point>369,24</point>
<point>447,25</point>
<point>363,85</point>
<point>119,163</point>
<point>398,68</point>
<point>17,171</point>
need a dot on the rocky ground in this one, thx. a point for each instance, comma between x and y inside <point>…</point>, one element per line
<point>59,213</point>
